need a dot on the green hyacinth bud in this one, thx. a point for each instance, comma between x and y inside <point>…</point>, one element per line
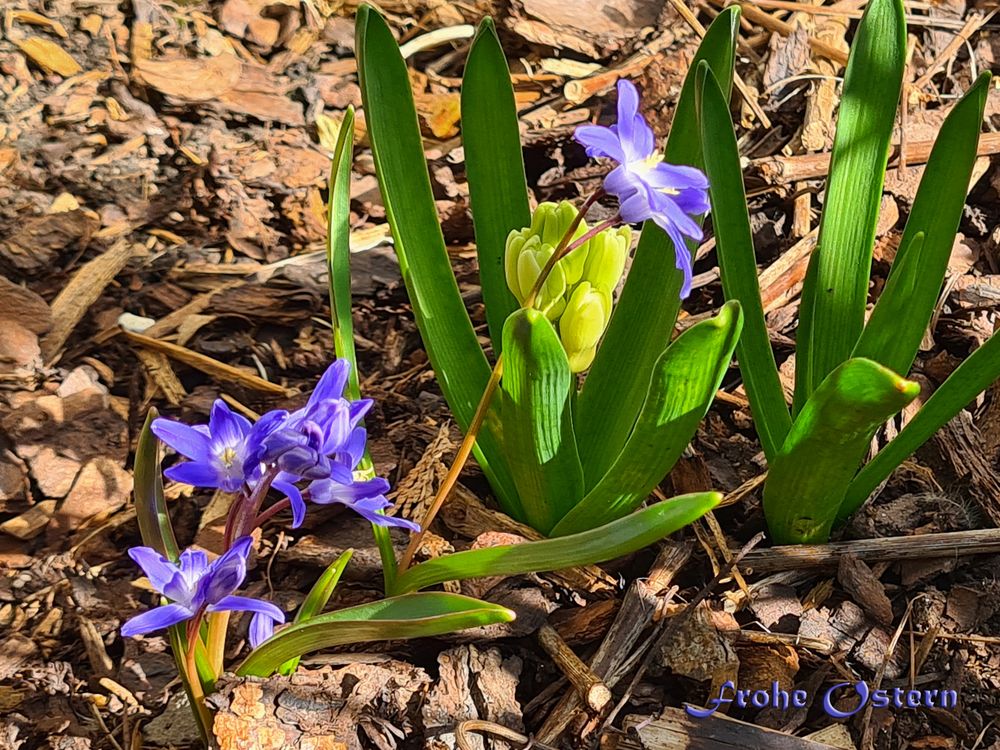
<point>577,295</point>
<point>550,222</point>
<point>606,258</point>
<point>526,256</point>
<point>582,324</point>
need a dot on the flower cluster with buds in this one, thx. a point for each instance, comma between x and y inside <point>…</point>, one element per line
<point>576,296</point>
<point>310,454</point>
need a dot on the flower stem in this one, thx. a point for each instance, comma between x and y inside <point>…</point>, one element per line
<point>194,681</point>
<point>566,245</point>
<point>218,623</point>
<point>457,465</point>
<point>271,512</point>
<point>243,512</point>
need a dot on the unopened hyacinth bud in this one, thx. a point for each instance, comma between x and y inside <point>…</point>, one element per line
<point>526,257</point>
<point>606,258</point>
<point>529,249</point>
<point>582,324</point>
<point>577,295</point>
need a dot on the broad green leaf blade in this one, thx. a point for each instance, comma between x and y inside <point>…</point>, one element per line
<point>597,545</point>
<point>410,616</point>
<point>536,411</point>
<point>980,370</point>
<point>903,311</point>
<point>317,599</point>
<point>682,388</point>
<point>807,480</point>
<point>643,320</point>
<point>738,264</point>
<point>495,167</point>
<point>150,506</point>
<point>835,289</point>
<point>444,324</point>
<point>338,263</point>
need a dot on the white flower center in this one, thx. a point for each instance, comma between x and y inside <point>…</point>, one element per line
<point>643,166</point>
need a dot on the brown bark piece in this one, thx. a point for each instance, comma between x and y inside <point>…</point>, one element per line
<point>843,627</point>
<point>859,581</point>
<point>327,709</point>
<point>34,246</point>
<point>762,666</point>
<point>674,729</point>
<point>778,607</point>
<point>579,25</point>
<point>700,652</point>
<point>473,684</point>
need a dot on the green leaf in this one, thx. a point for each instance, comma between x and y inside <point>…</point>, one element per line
<point>835,289</point>
<point>643,320</point>
<point>604,543</point>
<point>734,246</point>
<point>980,370</point>
<point>150,506</point>
<point>410,616</point>
<point>338,262</point>
<point>900,318</point>
<point>317,599</point>
<point>397,148</point>
<point>157,532</point>
<point>178,646</point>
<point>495,167</point>
<point>683,386</point>
<point>807,480</point>
<point>536,411</point>
<point>338,251</point>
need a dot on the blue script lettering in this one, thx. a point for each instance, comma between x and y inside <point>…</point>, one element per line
<point>859,687</point>
<point>714,703</point>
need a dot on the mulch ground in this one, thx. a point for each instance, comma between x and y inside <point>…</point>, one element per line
<point>162,185</point>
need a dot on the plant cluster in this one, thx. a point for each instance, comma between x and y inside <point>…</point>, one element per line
<point>582,403</point>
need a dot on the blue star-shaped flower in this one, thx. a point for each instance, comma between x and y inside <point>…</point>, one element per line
<point>647,187</point>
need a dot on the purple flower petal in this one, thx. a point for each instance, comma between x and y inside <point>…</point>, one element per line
<point>226,574</point>
<point>227,427</point>
<point>692,201</point>
<point>636,136</point>
<point>635,208</point>
<point>327,491</point>
<point>265,615</point>
<point>197,474</point>
<point>354,448</point>
<point>261,628</point>
<point>623,182</point>
<point>358,409</point>
<point>673,214</point>
<point>295,498</point>
<point>158,569</point>
<point>598,140</point>
<point>676,177</point>
<point>193,564</point>
<point>369,509</point>
<point>682,256</point>
<point>187,441</point>
<point>332,384</point>
<point>248,604</point>
<point>156,619</point>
